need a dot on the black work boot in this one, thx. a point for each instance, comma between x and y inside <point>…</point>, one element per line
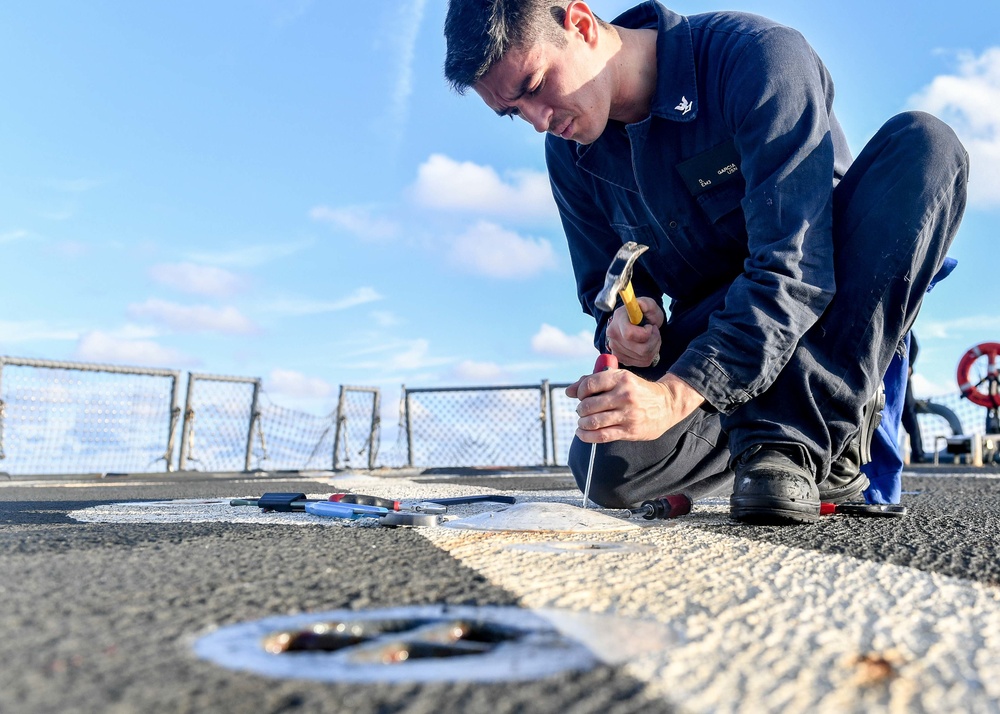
<point>846,481</point>
<point>775,485</point>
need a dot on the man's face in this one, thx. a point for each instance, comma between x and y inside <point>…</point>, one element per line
<point>560,90</point>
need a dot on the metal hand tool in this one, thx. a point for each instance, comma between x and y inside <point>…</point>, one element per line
<point>395,519</point>
<point>390,504</point>
<point>344,510</point>
<point>454,501</point>
<point>663,508</point>
<point>275,501</point>
<point>618,282</point>
<point>871,510</point>
<point>387,518</point>
<point>604,363</point>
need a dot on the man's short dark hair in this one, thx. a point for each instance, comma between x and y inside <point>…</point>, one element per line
<point>480,32</point>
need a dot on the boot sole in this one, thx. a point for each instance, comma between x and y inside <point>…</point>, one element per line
<point>770,511</point>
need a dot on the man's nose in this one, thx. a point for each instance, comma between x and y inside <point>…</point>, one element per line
<point>535,114</point>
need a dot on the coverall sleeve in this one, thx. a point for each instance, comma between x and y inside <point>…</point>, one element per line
<point>592,241</point>
<point>777,99</point>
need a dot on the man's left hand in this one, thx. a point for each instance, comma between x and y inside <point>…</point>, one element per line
<point>636,345</point>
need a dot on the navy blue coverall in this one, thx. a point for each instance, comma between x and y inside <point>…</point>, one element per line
<point>793,272</point>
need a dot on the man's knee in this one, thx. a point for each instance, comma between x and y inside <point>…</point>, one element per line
<point>911,176</point>
<point>690,458</point>
<point>928,140</point>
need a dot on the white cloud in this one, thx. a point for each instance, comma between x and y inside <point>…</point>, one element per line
<point>358,220</point>
<point>413,357</point>
<point>11,236</point>
<point>969,101</point>
<point>195,279</point>
<point>488,372</point>
<point>397,355</point>
<point>194,318</point>
<point>924,388</point>
<point>18,331</point>
<point>384,318</point>
<point>446,184</point>
<point>974,324</point>
<point>100,346</point>
<point>250,256</point>
<point>295,307</point>
<point>130,331</point>
<point>295,384</point>
<point>409,18</point>
<point>488,249</point>
<point>553,342</point>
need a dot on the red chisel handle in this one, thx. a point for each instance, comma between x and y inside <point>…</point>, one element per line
<point>605,362</point>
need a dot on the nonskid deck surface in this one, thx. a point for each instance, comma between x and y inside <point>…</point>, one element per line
<point>109,585</point>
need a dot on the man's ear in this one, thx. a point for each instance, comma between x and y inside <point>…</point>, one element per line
<point>579,19</point>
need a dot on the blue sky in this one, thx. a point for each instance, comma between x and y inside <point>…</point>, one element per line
<point>288,189</point>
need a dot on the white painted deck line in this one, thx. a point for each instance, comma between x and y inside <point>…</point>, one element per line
<point>760,627</point>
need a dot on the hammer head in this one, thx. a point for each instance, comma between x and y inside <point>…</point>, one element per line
<point>619,274</point>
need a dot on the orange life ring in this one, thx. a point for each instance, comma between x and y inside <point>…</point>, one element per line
<point>991,382</point>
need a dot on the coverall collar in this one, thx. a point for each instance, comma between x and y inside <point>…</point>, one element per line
<point>675,97</point>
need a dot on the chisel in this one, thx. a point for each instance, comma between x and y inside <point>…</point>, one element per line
<point>604,363</point>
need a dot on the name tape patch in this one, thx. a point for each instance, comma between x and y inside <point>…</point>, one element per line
<point>710,168</point>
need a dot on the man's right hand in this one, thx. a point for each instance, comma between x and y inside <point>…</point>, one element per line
<point>635,345</point>
<point>618,405</point>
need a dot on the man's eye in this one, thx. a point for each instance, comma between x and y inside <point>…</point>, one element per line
<point>534,92</point>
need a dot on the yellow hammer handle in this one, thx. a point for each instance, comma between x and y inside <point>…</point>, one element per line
<point>631,305</point>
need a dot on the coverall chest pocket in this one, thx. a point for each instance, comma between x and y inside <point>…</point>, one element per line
<point>715,181</point>
<point>722,206</point>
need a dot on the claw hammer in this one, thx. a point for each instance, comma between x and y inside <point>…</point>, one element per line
<point>619,282</point>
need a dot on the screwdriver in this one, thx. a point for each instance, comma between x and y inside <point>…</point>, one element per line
<point>603,364</point>
<point>388,503</point>
<point>663,508</point>
<point>872,510</point>
<point>350,511</point>
<point>347,510</point>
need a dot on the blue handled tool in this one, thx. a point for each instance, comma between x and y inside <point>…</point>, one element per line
<point>350,511</point>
